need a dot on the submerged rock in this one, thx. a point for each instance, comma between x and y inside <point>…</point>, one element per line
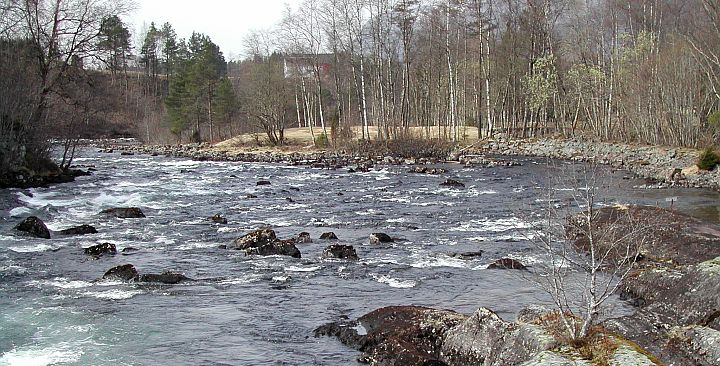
<point>467,255</point>
<point>452,183</point>
<point>328,236</point>
<point>263,183</point>
<point>34,226</point>
<point>166,277</point>
<point>100,249</point>
<point>79,230</point>
<point>340,251</point>
<point>124,212</point>
<point>264,242</point>
<point>218,219</point>
<point>507,263</point>
<point>377,238</point>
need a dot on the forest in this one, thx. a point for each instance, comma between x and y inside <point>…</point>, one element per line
<point>640,71</point>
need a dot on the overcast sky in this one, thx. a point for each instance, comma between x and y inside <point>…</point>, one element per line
<point>227,22</point>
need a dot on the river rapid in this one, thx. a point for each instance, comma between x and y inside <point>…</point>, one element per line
<point>249,310</point>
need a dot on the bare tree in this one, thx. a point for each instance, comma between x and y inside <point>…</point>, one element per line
<point>590,247</point>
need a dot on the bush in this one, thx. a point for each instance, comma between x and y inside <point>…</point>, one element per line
<point>406,147</point>
<point>321,140</point>
<point>708,159</point>
<point>714,120</point>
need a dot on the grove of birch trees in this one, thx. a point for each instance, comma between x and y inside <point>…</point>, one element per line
<point>643,71</point>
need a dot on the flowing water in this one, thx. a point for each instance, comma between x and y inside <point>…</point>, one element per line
<point>262,310</point>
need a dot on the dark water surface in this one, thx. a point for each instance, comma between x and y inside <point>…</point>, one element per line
<point>262,310</point>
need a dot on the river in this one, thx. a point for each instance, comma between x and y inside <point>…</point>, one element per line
<point>246,310</point>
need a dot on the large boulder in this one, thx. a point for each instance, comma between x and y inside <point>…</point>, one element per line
<point>100,249</point>
<point>264,242</point>
<point>124,212</point>
<point>340,251</point>
<point>79,230</point>
<point>396,335</point>
<point>166,277</point>
<point>34,226</point>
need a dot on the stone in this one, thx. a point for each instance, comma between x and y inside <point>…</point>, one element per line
<point>263,183</point>
<point>79,230</point>
<point>34,226</point>
<point>467,255</point>
<point>304,237</point>
<point>166,277</point>
<point>507,263</point>
<point>396,335</point>
<point>328,236</point>
<point>125,272</point>
<point>100,249</point>
<point>452,183</point>
<point>124,212</point>
<point>264,242</point>
<point>377,238</point>
<point>340,251</point>
<point>218,219</point>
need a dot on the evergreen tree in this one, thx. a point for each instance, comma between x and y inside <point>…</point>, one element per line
<point>114,43</point>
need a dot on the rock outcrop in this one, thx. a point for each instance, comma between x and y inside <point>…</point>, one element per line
<point>34,226</point>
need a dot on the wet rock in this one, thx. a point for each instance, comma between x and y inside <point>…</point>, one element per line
<point>128,250</point>
<point>124,212</point>
<point>263,183</point>
<point>264,242</point>
<point>328,236</point>
<point>251,196</point>
<point>452,183</point>
<point>304,237</point>
<point>79,230</point>
<point>34,226</point>
<point>166,277</point>
<point>396,335</point>
<point>340,251</point>
<point>100,249</point>
<point>506,263</point>
<point>377,238</point>
<point>254,239</point>
<point>426,170</point>
<point>468,255</point>
<point>218,219</point>
<point>125,272</point>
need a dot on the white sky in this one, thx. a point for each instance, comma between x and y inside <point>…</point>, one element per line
<point>226,22</point>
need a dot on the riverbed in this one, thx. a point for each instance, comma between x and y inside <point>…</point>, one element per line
<point>249,310</point>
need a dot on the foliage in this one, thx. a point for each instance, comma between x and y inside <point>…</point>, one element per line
<point>322,141</point>
<point>708,159</point>
<point>541,82</point>
<point>714,120</point>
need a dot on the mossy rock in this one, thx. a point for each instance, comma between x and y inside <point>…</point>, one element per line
<point>708,159</point>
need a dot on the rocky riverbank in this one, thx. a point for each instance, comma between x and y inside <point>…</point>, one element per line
<point>663,166</point>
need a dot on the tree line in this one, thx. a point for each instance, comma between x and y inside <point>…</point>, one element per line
<point>643,71</point>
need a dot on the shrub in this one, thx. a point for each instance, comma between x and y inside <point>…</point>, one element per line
<point>714,120</point>
<point>321,140</point>
<point>708,159</point>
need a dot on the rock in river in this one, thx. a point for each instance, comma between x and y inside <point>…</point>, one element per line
<point>100,249</point>
<point>452,183</point>
<point>79,230</point>
<point>304,237</point>
<point>218,219</point>
<point>506,263</point>
<point>125,272</point>
<point>340,251</point>
<point>35,227</point>
<point>124,212</point>
<point>377,238</point>
<point>328,236</point>
<point>264,242</point>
